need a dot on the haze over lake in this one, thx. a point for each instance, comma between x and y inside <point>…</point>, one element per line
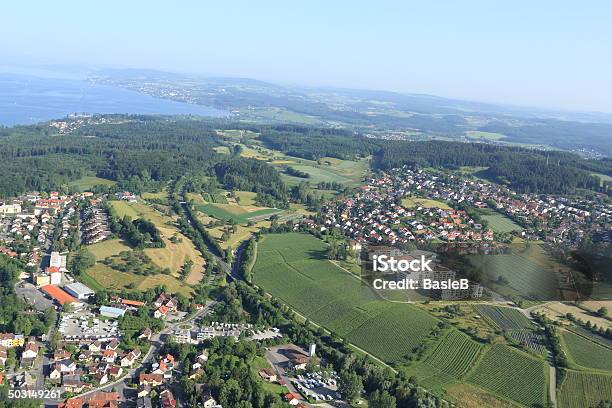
<point>30,99</point>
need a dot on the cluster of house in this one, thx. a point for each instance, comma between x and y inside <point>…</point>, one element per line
<point>158,377</point>
<point>164,305</point>
<point>98,399</point>
<point>373,215</point>
<point>127,196</point>
<point>93,364</point>
<point>29,348</point>
<point>558,218</point>
<point>94,225</point>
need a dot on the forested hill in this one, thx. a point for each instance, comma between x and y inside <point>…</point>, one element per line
<point>525,170</point>
<point>142,153</point>
<point>138,152</point>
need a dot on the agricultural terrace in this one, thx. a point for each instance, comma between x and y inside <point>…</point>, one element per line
<point>513,375</point>
<point>585,352</point>
<point>293,267</point>
<point>581,389</point>
<point>505,318</point>
<point>499,222</point>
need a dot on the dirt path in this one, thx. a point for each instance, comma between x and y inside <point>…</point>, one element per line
<point>552,391</point>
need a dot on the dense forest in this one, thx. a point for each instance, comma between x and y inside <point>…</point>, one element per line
<point>143,153</point>
<point>524,170</point>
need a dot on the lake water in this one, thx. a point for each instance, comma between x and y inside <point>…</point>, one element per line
<point>28,99</point>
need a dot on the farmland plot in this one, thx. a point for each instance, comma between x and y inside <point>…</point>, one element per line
<point>455,355</point>
<point>529,339</point>
<point>513,375</point>
<point>587,353</point>
<point>581,389</point>
<point>504,318</point>
<point>293,267</point>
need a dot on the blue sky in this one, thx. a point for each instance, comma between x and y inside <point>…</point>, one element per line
<point>533,53</point>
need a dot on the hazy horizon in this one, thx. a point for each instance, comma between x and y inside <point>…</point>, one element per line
<point>543,55</point>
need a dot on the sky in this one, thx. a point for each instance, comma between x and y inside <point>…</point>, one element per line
<point>555,54</point>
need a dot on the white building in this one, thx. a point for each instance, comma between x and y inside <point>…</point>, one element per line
<point>79,291</point>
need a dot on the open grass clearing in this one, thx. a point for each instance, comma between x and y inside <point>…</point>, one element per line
<point>88,182</point>
<point>110,247</point>
<point>112,279</point>
<point>412,202</point>
<point>174,254</point>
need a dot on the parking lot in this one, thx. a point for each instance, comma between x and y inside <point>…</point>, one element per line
<point>33,296</point>
<point>83,324</point>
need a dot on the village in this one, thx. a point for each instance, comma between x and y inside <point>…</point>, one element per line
<point>375,214</point>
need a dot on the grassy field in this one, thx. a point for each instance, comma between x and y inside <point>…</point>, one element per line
<point>159,195</point>
<point>243,233</point>
<point>110,247</point>
<point>240,214</point>
<point>246,197</point>
<point>558,310</point>
<point>512,374</point>
<point>602,178</point>
<point>174,254</point>
<point>109,278</point>
<point>581,389</point>
<point>88,182</point>
<point>504,318</point>
<point>410,202</point>
<point>476,134</point>
<point>471,396</point>
<point>586,353</point>
<point>293,267</point>
<point>499,222</point>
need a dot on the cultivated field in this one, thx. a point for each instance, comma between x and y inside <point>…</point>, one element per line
<point>512,374</point>
<point>293,267</point>
<point>586,353</point>
<point>518,275</point>
<point>504,318</point>
<point>240,214</point>
<point>580,389</point>
<point>455,355</point>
